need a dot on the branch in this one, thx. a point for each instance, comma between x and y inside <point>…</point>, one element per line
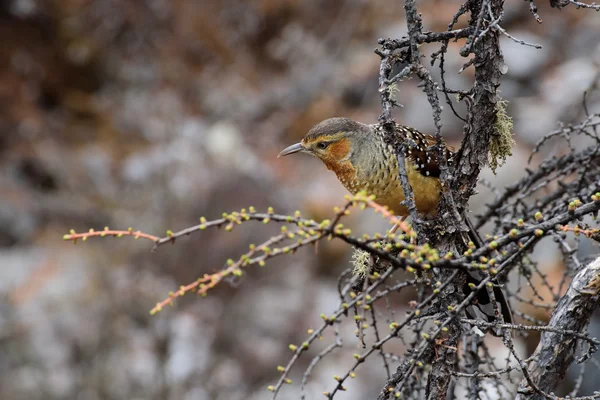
<point>426,37</point>
<point>556,351</point>
<point>563,3</point>
<point>488,62</point>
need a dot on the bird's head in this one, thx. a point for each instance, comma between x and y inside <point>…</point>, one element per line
<point>333,141</point>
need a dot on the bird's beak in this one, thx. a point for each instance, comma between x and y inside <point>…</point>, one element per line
<point>291,150</point>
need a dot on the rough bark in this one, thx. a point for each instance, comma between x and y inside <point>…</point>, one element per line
<point>489,64</point>
<point>556,350</point>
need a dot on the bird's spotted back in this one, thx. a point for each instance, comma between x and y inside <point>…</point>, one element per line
<point>417,149</point>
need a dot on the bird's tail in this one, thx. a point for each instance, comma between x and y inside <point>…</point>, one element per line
<point>482,307</point>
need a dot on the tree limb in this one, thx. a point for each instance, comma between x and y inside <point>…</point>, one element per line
<point>556,351</point>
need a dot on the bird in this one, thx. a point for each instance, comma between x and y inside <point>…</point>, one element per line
<point>365,158</point>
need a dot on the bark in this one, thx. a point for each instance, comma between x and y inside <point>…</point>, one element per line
<point>556,350</point>
<point>489,64</point>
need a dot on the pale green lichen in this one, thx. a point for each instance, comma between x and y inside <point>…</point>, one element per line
<point>360,262</point>
<point>392,90</point>
<point>502,142</point>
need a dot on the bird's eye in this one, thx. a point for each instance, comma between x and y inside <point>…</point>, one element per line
<point>322,145</point>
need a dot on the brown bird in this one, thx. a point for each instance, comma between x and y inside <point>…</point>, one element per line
<point>364,158</point>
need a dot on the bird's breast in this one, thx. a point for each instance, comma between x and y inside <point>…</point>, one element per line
<point>382,181</point>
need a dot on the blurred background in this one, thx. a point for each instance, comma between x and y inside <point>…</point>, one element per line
<point>152,113</point>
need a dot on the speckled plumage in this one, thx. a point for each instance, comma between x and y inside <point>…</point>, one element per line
<point>371,164</point>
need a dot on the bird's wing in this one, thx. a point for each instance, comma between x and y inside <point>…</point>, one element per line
<point>431,141</point>
<point>419,150</point>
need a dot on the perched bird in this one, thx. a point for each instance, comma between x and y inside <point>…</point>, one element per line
<point>364,158</point>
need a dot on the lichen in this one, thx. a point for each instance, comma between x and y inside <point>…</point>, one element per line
<point>360,262</point>
<point>502,142</point>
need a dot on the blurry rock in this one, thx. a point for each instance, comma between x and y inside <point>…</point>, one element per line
<point>17,225</point>
<point>533,118</point>
<point>568,82</point>
<point>23,8</point>
<point>189,348</point>
<point>225,144</point>
<point>37,175</point>
<point>524,61</point>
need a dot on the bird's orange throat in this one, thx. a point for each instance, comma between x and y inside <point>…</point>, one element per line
<point>344,170</point>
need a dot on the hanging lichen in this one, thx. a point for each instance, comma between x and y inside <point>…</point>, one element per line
<point>502,142</point>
